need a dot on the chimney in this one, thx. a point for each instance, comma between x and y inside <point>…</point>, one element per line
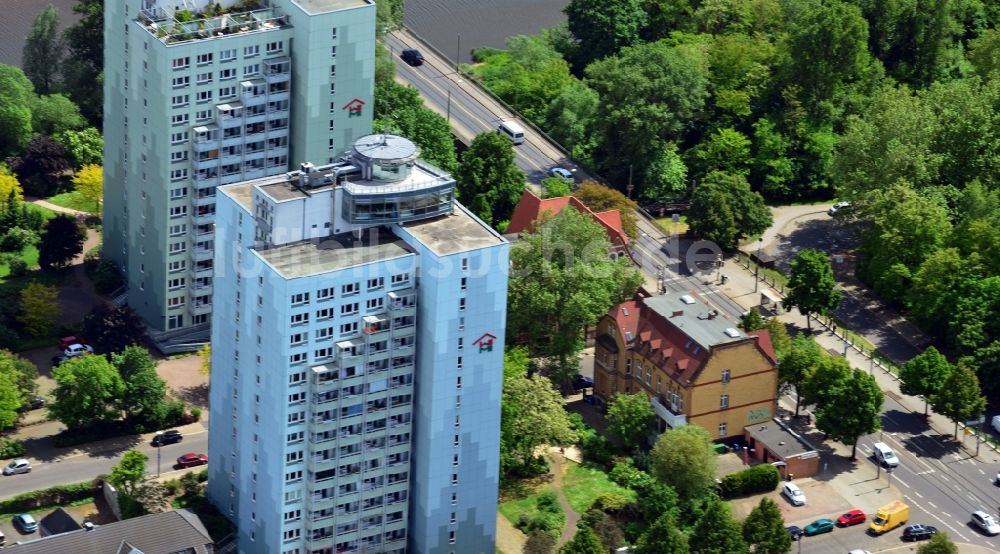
<point>677,313</point>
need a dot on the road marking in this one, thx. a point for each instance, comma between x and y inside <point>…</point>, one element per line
<point>981,470</point>
<point>972,498</point>
<point>945,477</point>
<point>918,494</point>
<point>931,504</point>
<point>901,482</point>
<point>926,472</point>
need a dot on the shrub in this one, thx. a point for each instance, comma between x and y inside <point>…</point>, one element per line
<point>15,239</point>
<point>92,221</point>
<point>58,495</point>
<point>196,413</point>
<point>173,486</point>
<point>760,478</point>
<point>595,448</point>
<point>10,448</point>
<point>18,267</point>
<point>548,502</point>
<point>203,476</point>
<point>175,413</point>
<point>104,275</point>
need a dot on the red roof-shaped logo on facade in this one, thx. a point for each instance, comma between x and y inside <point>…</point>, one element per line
<point>354,107</point>
<point>485,342</point>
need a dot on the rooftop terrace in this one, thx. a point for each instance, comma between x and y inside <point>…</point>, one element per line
<point>184,26</point>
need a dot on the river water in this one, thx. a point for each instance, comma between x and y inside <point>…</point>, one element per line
<point>479,22</point>
<point>440,22</point>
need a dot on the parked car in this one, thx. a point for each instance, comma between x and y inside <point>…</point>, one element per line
<point>995,422</point>
<point>884,455</point>
<point>985,522</point>
<point>859,551</point>
<point>581,382</point>
<point>74,350</point>
<point>32,403</point>
<point>412,56</point>
<point>839,206</point>
<point>25,523</point>
<point>918,532</point>
<point>561,172</point>
<point>58,360</point>
<point>794,494</point>
<point>191,460</point>
<point>66,342</point>
<point>794,531</point>
<point>167,437</point>
<point>852,517</point>
<point>19,465</point>
<point>818,526</point>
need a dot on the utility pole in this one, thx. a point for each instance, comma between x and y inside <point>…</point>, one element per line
<point>756,271</point>
<point>458,52</point>
<point>629,187</point>
<point>449,106</point>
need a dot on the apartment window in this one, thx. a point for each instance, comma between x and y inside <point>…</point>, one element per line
<point>293,515</point>
<point>333,33</point>
<point>227,55</point>
<point>325,313</point>
<point>178,211</point>
<point>724,401</point>
<point>458,364</point>
<point>180,100</point>
<point>176,283</point>
<point>228,73</point>
<point>177,247</point>
<point>296,397</point>
<point>250,51</point>
<point>293,438</point>
<point>461,304</point>
<point>292,534</point>
<point>204,58</point>
<point>178,137</point>
<point>333,107</point>
<point>628,367</point>
<point>175,302</point>
<point>461,323</point>
<point>251,69</point>
<point>179,82</point>
<point>458,382</point>
<point>205,96</point>
<point>324,294</point>
<point>454,498</point>
<point>373,304</point>
<point>376,283</point>
<point>324,333</point>
<point>273,47</point>
<point>349,328</point>
<point>300,298</point>
<point>296,417</point>
<point>204,78</point>
<point>179,119</point>
<point>333,53</point>
<point>226,92</point>
<point>178,174</point>
<point>179,265</point>
<point>350,288</point>
<point>723,432</point>
<point>323,353</point>
<point>726,374</point>
<point>178,193</point>
<point>175,321</point>
<point>461,343</point>
<point>454,481</point>
<point>333,70</point>
<point>465,264</point>
<point>297,378</point>
<point>349,309</point>
<point>648,374</point>
<point>179,156</point>
<point>465,283</point>
<point>178,230</point>
<point>298,338</point>
<point>300,318</point>
<point>203,115</point>
<point>181,63</point>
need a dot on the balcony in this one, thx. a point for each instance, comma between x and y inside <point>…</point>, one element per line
<point>202,254</point>
<point>199,201</point>
<point>200,308</point>
<point>170,30</point>
<point>373,326</point>
<point>204,218</point>
<point>671,418</point>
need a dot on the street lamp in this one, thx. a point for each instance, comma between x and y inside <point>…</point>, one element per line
<point>159,443</point>
<point>718,264</point>
<point>756,271</point>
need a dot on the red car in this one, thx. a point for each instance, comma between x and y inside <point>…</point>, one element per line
<point>66,342</point>
<point>853,517</point>
<point>191,460</point>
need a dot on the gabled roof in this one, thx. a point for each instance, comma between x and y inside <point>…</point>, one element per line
<point>178,530</point>
<point>57,522</point>
<point>531,208</point>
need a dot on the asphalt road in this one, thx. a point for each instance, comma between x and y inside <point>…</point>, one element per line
<point>81,467</point>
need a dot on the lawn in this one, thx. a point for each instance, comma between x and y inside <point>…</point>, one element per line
<point>74,201</point>
<point>672,228</point>
<point>583,484</point>
<point>526,503</point>
<point>29,255</point>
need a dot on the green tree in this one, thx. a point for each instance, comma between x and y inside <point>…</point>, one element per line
<point>25,373</point>
<point>89,182</point>
<point>940,543</point>
<point>604,27</point>
<point>662,536</point>
<point>716,532</point>
<point>828,374</point>
<point>570,119</point>
<point>726,150</point>
<point>539,542</point>
<point>145,398</point>
<point>941,278</point>
<point>88,389</point>
<point>556,187</point>
<point>112,328</point>
<point>797,365</point>
<point>828,42</point>
<point>563,281</point>
<point>16,92</point>
<point>82,70</point>
<point>400,109</point>
<point>779,335</point>
<point>62,240</point>
<point>684,459</point>
<point>959,398</point>
<point>43,51</point>
<point>764,529</point>
<point>129,478</point>
<point>205,354</point>
<point>52,114</point>
<point>666,178</point>
<point>600,198</point>
<point>629,418</point>
<point>753,321</point>
<point>10,398</point>
<point>85,147</point>
<point>39,308</point>
<point>852,409</point>
<point>610,534</point>
<point>724,209</point>
<point>984,52</point>
<point>584,542</point>
<point>42,166</point>
<point>772,167</point>
<point>489,183</point>
<point>741,72</point>
<point>532,414</point>
<point>924,375</point>
<point>812,288</point>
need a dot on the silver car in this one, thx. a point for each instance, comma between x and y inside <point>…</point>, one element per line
<point>985,522</point>
<point>19,465</point>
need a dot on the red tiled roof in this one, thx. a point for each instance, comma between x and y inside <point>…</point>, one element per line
<point>530,209</point>
<point>765,344</point>
<point>626,323</point>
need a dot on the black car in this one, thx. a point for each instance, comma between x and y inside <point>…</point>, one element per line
<point>167,437</point>
<point>581,382</point>
<point>58,360</point>
<point>412,56</point>
<point>794,531</point>
<point>918,532</point>
<point>32,403</point>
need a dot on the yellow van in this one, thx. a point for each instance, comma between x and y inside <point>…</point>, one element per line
<point>889,517</point>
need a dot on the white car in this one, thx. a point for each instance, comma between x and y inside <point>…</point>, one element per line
<point>794,494</point>
<point>838,207</point>
<point>19,465</point>
<point>78,350</point>
<point>996,423</point>
<point>859,552</point>
<point>562,173</point>
<point>985,522</point>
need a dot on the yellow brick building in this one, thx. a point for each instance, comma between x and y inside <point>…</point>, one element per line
<point>697,366</point>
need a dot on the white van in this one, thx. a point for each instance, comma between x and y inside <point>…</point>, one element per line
<point>794,494</point>
<point>885,455</point>
<point>512,131</point>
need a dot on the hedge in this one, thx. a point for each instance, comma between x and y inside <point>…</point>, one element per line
<point>760,478</point>
<point>53,496</point>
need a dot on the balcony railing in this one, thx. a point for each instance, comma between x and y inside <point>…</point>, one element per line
<point>673,419</point>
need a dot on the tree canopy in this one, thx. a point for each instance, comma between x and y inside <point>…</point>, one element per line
<point>62,240</point>
<point>959,398</point>
<point>724,210</point>
<point>796,366</point>
<point>630,417</point>
<point>812,288</point>
<point>111,329</point>
<point>489,183</point>
<point>764,529</point>
<point>684,459</point>
<point>924,374</point>
<point>88,389</point>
